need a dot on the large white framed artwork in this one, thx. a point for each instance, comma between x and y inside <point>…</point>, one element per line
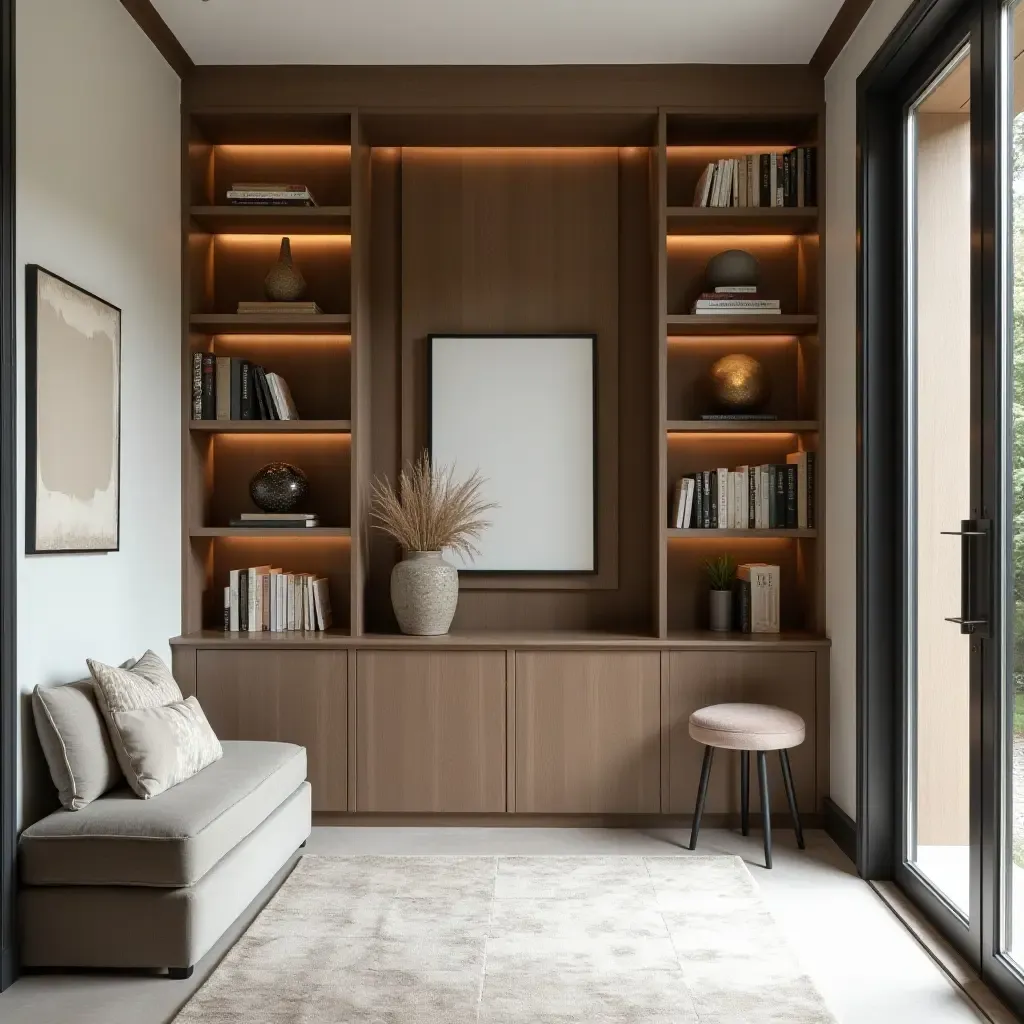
<point>521,409</point>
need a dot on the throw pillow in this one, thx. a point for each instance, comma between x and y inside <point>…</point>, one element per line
<point>148,683</point>
<point>165,745</point>
<point>75,743</point>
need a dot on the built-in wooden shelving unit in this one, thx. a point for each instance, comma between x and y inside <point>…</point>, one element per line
<point>271,426</point>
<point>740,426</point>
<point>701,326</point>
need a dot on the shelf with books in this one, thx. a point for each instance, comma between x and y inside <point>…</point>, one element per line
<point>299,220</point>
<point>708,325</point>
<point>252,532</point>
<point>271,426</point>
<point>741,426</point>
<point>771,220</point>
<point>712,534</point>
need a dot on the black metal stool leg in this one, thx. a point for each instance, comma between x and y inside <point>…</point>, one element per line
<point>787,775</point>
<point>745,792</point>
<point>702,792</point>
<point>766,814</point>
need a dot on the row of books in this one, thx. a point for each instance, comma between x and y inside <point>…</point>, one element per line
<point>768,497</point>
<point>756,598</point>
<point>229,388</point>
<point>732,299</point>
<point>761,179</point>
<point>269,193</point>
<point>264,599</point>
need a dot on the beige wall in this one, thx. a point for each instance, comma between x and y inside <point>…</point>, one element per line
<point>840,386</point>
<point>98,202</point>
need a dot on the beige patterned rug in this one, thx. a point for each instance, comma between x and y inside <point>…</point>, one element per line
<point>511,940</point>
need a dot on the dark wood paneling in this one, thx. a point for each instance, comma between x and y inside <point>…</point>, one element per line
<point>160,35</point>
<point>588,733</point>
<point>697,680</point>
<point>430,731</point>
<point>291,696</point>
<point>843,25</point>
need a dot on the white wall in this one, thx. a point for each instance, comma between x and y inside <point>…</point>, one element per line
<point>98,202</point>
<point>840,385</point>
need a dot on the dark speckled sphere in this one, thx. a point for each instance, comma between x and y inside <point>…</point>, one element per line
<point>278,487</point>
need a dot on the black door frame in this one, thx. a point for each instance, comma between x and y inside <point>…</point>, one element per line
<point>8,507</point>
<point>881,380</point>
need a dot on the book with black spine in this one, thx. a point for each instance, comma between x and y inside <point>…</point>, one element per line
<point>781,484</point>
<point>236,388</point>
<point>811,490</point>
<point>209,404</point>
<point>764,179</point>
<point>260,409</point>
<point>243,600</point>
<point>780,160</point>
<point>785,180</point>
<point>227,609</point>
<point>246,403</point>
<point>712,522</point>
<point>741,604</point>
<point>264,390</point>
<point>810,178</point>
<point>698,500</point>
<point>792,517</point>
<point>752,497</point>
<point>197,385</point>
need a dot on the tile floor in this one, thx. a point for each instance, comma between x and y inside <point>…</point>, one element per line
<point>866,964</point>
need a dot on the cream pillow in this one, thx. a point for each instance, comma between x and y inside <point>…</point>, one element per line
<point>147,686</point>
<point>165,745</point>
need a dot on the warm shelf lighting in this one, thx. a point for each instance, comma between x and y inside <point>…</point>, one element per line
<point>306,150</point>
<point>708,539</point>
<point>244,340</point>
<point>694,341</point>
<point>707,152</point>
<point>702,241</point>
<point>729,435</point>
<point>299,241</point>
<point>259,440</point>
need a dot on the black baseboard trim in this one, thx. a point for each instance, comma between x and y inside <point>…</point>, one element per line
<point>841,828</point>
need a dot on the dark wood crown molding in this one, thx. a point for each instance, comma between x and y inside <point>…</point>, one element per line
<point>160,35</point>
<point>843,25</point>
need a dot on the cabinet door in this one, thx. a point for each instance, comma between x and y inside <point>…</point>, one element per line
<point>430,731</point>
<point>293,696</point>
<point>588,732</point>
<point>700,678</point>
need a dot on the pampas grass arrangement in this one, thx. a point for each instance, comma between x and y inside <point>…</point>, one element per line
<point>430,510</point>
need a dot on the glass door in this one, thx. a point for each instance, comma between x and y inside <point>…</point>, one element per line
<point>943,535</point>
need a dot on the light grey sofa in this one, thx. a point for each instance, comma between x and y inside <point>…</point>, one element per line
<point>131,883</point>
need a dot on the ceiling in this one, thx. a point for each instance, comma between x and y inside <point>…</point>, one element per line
<point>499,31</point>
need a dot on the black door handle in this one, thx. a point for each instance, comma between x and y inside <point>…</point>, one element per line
<point>973,534</point>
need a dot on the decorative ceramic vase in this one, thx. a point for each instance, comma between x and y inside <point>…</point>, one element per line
<point>732,268</point>
<point>424,592</point>
<point>739,383</point>
<point>721,610</point>
<point>284,283</point>
<point>278,487</point>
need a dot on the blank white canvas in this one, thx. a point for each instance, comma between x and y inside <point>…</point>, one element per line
<point>521,410</point>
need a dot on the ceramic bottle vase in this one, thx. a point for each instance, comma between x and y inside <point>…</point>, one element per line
<point>284,283</point>
<point>424,593</point>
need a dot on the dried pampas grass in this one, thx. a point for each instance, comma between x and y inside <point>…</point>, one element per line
<point>430,511</point>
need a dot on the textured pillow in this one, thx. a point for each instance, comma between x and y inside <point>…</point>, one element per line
<point>74,739</point>
<point>148,683</point>
<point>165,745</point>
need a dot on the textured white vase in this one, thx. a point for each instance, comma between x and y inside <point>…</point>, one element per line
<point>424,593</point>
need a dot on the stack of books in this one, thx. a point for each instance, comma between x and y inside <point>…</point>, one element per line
<point>756,601</point>
<point>761,179</point>
<point>734,299</point>
<point>269,193</point>
<point>264,599</point>
<point>277,520</point>
<point>228,388</point>
<point>280,308</point>
<point>769,497</point>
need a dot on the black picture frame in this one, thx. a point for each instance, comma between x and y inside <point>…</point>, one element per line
<point>32,545</point>
<point>498,574</point>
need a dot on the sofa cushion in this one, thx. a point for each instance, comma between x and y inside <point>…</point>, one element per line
<point>171,840</point>
<point>75,742</point>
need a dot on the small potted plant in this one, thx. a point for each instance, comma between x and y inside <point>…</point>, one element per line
<point>721,571</point>
<point>429,512</point>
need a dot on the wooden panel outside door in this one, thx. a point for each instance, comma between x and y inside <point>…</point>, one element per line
<point>292,696</point>
<point>700,678</point>
<point>588,732</point>
<point>430,731</point>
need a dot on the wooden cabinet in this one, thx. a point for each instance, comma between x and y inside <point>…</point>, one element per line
<point>295,696</point>
<point>430,731</point>
<point>699,678</point>
<point>588,732</point>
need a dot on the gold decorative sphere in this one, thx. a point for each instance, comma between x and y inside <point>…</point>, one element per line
<point>739,383</point>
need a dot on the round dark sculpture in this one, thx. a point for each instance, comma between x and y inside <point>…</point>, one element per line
<point>739,383</point>
<point>278,487</point>
<point>729,269</point>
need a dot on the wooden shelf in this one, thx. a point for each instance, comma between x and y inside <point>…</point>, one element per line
<point>741,426</point>
<point>299,220</point>
<point>312,532</point>
<point>690,324</point>
<point>270,323</point>
<point>271,426</point>
<point>753,534</point>
<point>734,220</point>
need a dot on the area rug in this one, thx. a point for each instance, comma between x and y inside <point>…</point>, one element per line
<point>511,940</point>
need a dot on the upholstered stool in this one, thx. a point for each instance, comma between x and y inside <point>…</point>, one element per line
<point>747,727</point>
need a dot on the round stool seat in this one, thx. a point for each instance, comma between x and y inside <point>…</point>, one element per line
<point>747,727</point>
